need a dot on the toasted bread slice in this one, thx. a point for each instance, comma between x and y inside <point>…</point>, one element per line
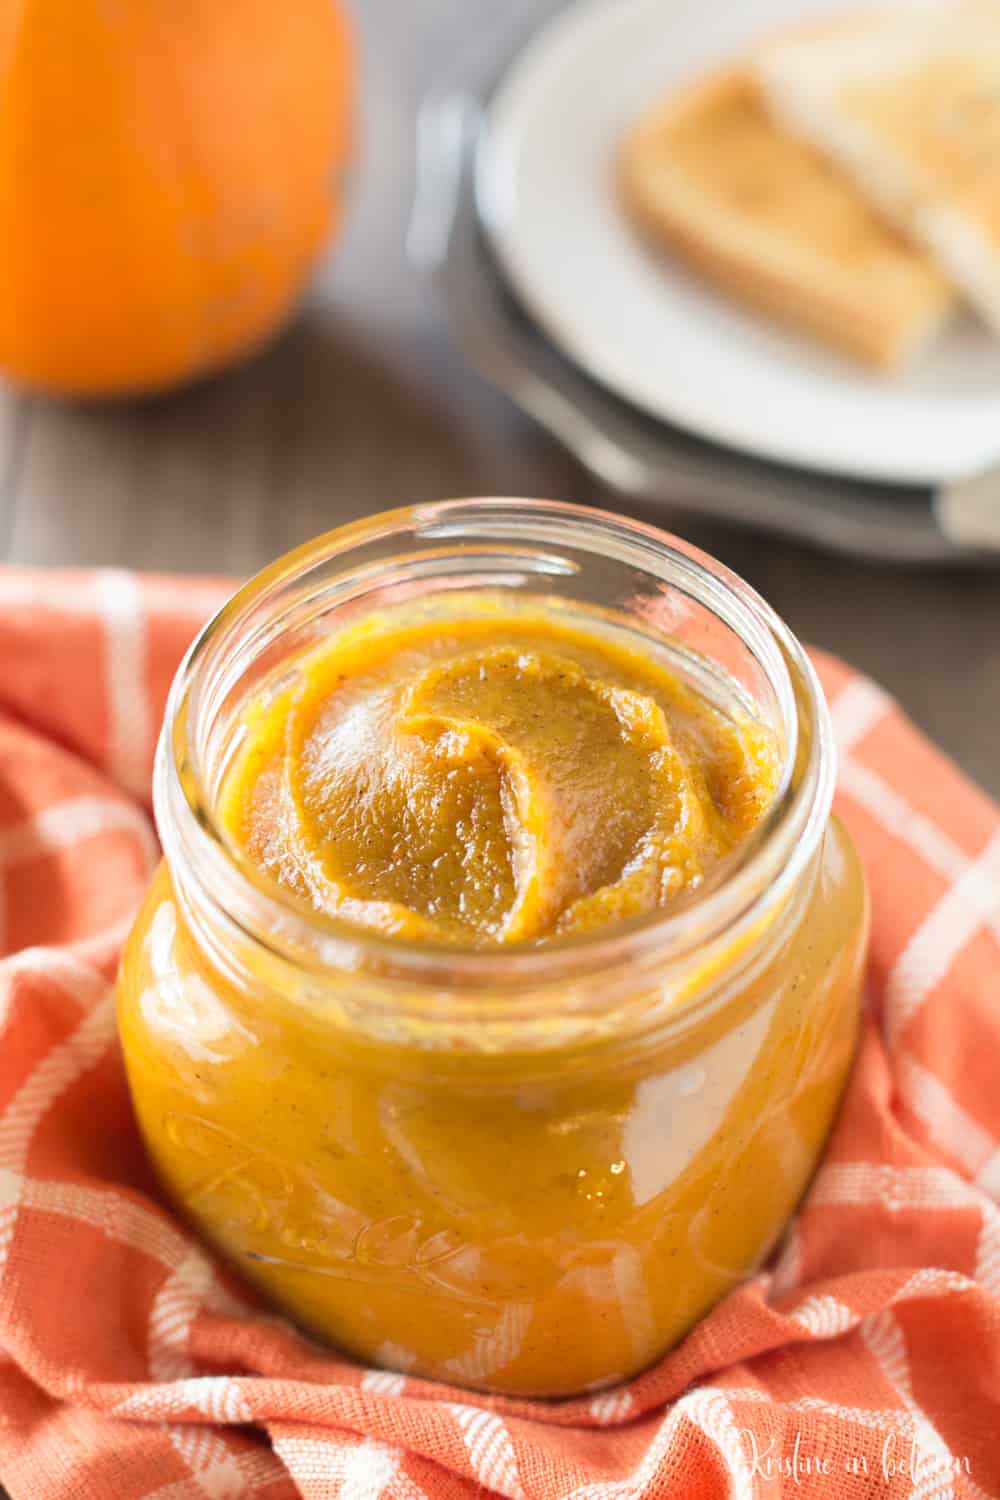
<point>707,174</point>
<point>907,102</point>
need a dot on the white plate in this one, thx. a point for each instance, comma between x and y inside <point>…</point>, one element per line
<point>649,330</point>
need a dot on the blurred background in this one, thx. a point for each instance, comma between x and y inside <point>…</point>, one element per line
<point>364,402</point>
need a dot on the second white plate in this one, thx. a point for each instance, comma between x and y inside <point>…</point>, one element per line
<point>646,328</point>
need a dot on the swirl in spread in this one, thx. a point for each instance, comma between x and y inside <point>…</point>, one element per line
<point>491,779</point>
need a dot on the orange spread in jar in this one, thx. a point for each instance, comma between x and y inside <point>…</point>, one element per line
<point>486,781</point>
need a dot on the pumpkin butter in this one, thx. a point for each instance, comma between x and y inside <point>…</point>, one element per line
<point>438,1189</point>
<point>496,779</point>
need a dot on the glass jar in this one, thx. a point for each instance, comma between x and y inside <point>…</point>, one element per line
<point>529,1170</point>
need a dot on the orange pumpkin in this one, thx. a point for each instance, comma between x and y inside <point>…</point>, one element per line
<point>169,170</point>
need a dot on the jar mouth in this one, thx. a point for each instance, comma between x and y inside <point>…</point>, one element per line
<point>490,537</point>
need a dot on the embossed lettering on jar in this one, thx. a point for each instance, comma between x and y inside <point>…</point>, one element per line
<point>525,1161</point>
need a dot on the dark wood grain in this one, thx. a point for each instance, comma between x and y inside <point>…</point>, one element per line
<point>362,404</point>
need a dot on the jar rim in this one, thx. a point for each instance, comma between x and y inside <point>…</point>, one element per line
<point>760,872</point>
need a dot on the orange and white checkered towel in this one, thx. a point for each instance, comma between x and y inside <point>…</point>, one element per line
<point>865,1363</point>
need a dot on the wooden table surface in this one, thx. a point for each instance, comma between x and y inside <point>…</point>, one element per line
<point>363,405</point>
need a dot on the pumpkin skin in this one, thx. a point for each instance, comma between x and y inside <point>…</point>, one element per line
<point>169,170</point>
